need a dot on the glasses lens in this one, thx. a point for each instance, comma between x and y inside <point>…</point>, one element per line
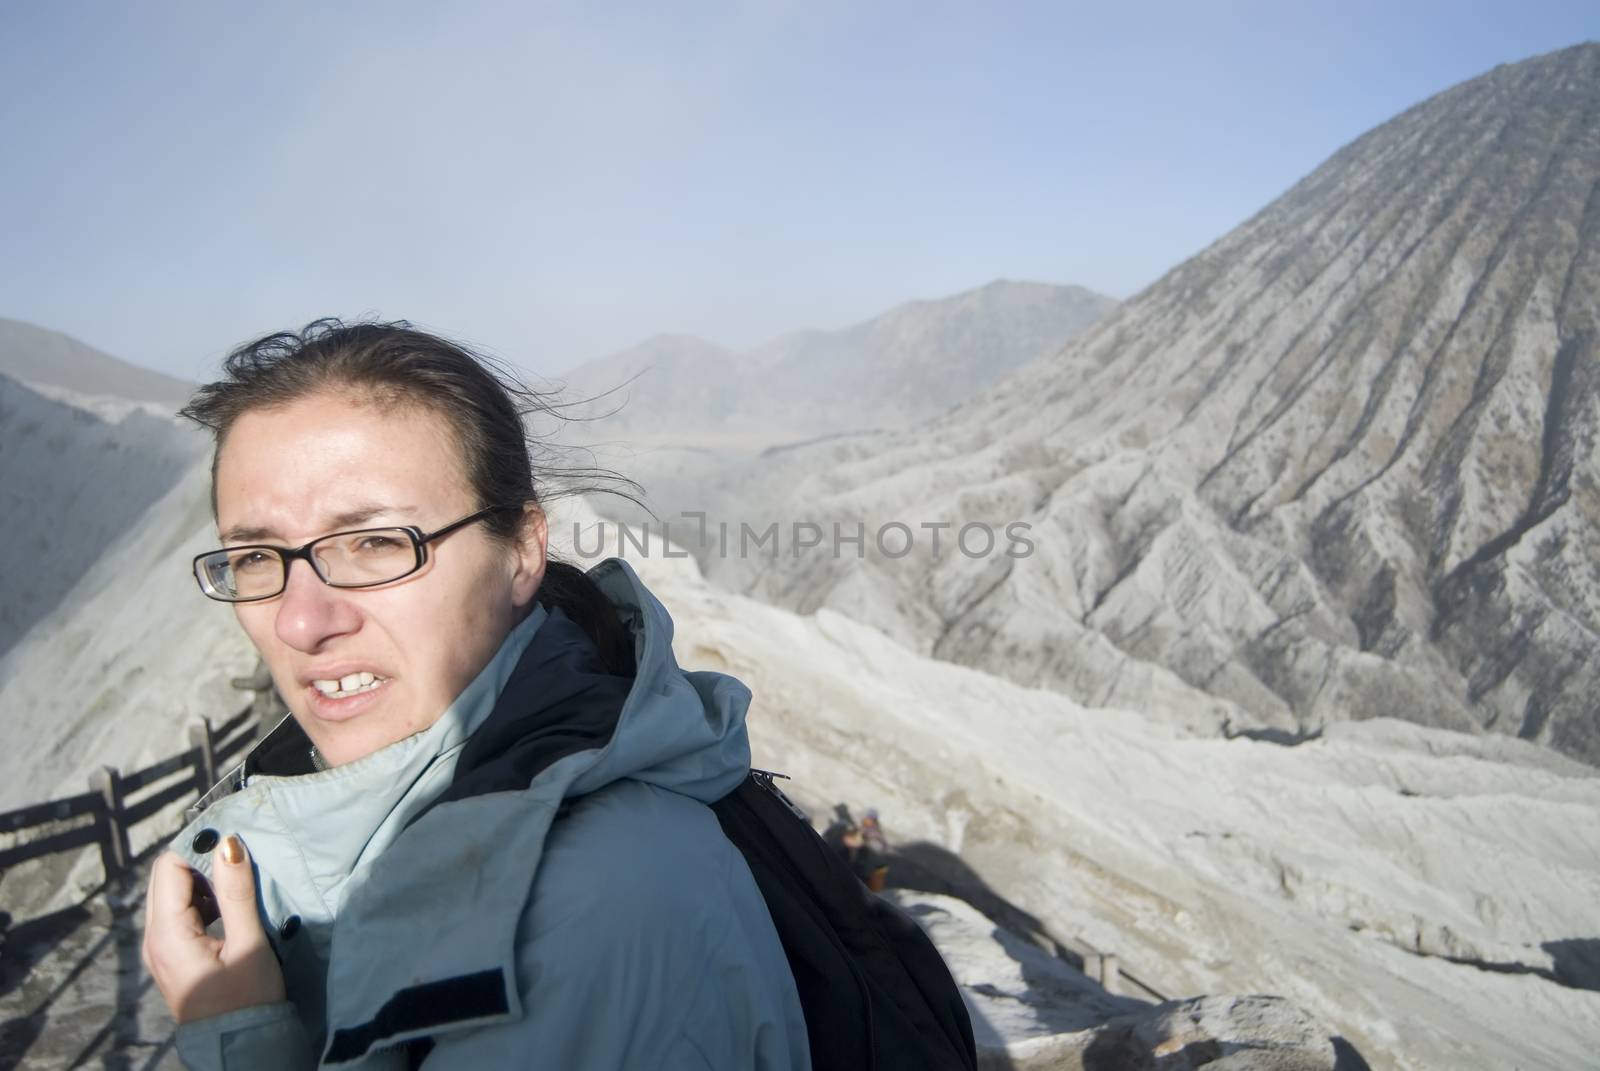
<point>241,573</point>
<point>356,559</point>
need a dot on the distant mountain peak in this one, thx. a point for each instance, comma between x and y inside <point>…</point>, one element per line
<point>49,358</point>
<point>909,363</point>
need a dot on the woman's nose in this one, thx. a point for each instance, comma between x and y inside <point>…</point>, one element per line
<point>310,612</point>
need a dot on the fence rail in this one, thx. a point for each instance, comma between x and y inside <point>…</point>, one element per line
<point>71,839</point>
<point>40,813</point>
<point>109,803</point>
<point>166,768</point>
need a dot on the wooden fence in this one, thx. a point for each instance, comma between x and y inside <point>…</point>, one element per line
<point>111,797</point>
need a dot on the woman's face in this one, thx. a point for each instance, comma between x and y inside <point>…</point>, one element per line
<point>331,462</point>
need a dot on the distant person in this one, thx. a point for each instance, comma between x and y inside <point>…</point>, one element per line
<point>872,832</point>
<point>482,839</point>
<point>840,827</point>
<point>861,844</point>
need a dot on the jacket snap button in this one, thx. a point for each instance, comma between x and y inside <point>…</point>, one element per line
<point>204,841</point>
<point>290,927</point>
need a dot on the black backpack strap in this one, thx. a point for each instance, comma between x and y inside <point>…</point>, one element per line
<point>875,991</point>
<point>417,1050</point>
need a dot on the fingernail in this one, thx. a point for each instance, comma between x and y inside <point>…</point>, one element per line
<point>232,850</point>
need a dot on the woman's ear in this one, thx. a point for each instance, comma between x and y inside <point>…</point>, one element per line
<point>531,554</point>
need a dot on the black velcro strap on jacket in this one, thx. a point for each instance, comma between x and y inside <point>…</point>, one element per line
<point>423,1007</point>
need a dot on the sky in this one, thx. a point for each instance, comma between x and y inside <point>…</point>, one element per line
<point>555,182</point>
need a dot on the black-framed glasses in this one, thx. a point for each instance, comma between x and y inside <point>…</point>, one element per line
<point>359,559</point>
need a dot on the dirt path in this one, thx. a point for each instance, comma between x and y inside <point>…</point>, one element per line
<point>73,993</point>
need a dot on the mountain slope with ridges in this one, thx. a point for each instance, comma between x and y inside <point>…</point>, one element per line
<point>1342,463</point>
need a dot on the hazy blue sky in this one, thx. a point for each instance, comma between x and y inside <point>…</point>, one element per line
<point>558,181</point>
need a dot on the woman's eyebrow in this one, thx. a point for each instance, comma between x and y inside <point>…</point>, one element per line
<point>359,515</point>
<point>350,518</point>
<point>240,533</point>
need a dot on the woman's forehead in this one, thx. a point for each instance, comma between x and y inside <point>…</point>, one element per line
<point>328,459</point>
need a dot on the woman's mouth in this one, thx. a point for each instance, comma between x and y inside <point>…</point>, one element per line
<point>348,685</point>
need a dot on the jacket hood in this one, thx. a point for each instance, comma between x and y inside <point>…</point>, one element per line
<point>662,725</point>
<point>681,730</point>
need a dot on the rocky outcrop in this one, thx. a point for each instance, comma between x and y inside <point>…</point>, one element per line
<point>1219,1034</point>
<point>1032,1012</point>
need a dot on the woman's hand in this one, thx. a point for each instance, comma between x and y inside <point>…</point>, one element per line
<point>199,975</point>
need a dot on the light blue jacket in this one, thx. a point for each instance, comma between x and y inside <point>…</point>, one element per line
<point>628,934</point>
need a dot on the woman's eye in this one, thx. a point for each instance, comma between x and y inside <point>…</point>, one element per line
<point>377,544</point>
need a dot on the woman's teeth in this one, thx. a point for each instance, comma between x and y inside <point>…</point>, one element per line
<point>348,685</point>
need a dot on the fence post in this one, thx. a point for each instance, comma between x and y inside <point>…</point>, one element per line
<point>1110,975</point>
<point>205,773</point>
<point>114,849</point>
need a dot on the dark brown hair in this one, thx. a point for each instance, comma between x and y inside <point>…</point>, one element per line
<point>482,401</point>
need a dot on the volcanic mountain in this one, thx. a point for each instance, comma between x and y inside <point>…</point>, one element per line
<point>1340,464</point>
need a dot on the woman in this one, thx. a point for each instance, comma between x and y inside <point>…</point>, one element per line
<point>482,839</point>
